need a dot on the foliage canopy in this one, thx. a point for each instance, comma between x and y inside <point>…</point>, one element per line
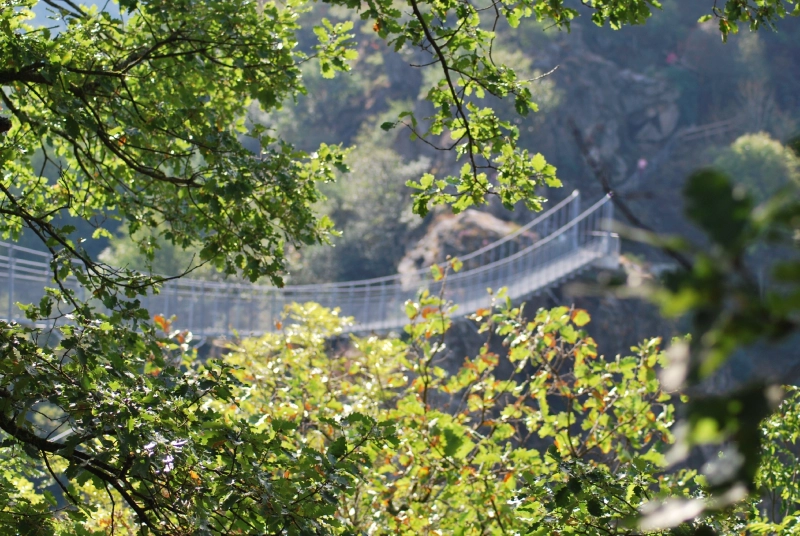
<point>143,117</point>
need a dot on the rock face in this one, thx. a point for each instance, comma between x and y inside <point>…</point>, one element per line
<point>453,236</point>
<point>624,116</point>
<point>456,236</point>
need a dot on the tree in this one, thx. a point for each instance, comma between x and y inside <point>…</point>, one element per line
<point>144,118</point>
<point>372,203</point>
<point>761,164</point>
<point>126,114</point>
<point>545,436</point>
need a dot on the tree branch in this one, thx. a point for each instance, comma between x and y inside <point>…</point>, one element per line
<point>446,70</point>
<point>601,174</point>
<point>29,73</point>
<point>94,466</point>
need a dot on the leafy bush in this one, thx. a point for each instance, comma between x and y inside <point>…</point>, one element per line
<point>778,511</point>
<point>552,438</point>
<point>300,430</point>
<point>761,164</point>
<point>158,444</point>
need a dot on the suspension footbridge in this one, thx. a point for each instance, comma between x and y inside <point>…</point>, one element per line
<point>555,246</point>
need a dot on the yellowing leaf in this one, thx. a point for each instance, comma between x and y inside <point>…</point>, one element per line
<point>161,322</point>
<point>436,273</point>
<point>580,317</point>
<point>428,311</point>
<point>549,340</point>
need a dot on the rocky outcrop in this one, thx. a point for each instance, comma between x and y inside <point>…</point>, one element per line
<point>453,236</point>
<point>624,116</point>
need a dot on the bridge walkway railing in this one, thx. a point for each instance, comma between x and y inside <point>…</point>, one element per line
<point>556,245</point>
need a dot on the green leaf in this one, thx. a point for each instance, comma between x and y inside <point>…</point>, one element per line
<point>337,449</point>
<point>594,507</point>
<point>580,317</point>
<point>563,497</point>
<point>717,207</point>
<point>453,442</point>
<point>436,272</point>
<point>538,162</point>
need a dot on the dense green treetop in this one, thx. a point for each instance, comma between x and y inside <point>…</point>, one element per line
<point>142,118</point>
<point>145,116</point>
